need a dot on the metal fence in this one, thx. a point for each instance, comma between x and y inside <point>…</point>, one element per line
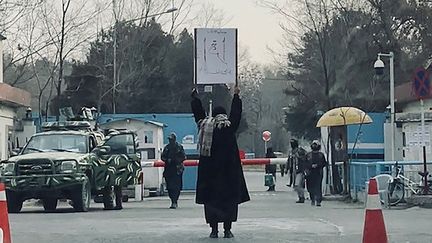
<point>361,172</point>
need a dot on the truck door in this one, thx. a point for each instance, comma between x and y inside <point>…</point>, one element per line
<point>120,164</point>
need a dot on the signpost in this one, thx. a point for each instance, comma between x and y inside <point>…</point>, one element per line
<point>422,90</point>
<point>266,136</point>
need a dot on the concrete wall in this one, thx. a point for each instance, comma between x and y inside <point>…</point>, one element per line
<point>413,150</point>
<point>414,139</point>
<point>412,147</point>
<point>397,142</point>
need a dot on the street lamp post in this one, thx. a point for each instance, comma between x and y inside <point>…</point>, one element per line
<point>379,66</point>
<point>115,81</point>
<point>114,59</point>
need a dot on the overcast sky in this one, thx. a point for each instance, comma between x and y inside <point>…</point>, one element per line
<point>257,27</point>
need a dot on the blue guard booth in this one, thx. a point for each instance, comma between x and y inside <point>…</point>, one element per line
<point>365,148</point>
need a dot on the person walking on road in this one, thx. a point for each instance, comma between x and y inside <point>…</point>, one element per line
<point>271,169</point>
<point>221,185</point>
<point>316,162</point>
<point>289,170</point>
<point>299,167</point>
<point>173,155</point>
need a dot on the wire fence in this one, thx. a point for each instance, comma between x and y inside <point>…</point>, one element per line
<point>361,172</point>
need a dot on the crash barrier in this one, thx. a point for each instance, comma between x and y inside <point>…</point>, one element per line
<point>139,189</point>
<point>4,217</point>
<point>374,230</point>
<point>361,172</point>
<point>194,162</point>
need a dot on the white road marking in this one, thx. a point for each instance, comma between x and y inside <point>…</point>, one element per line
<point>338,228</point>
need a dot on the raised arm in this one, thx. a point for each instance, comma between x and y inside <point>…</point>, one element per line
<point>236,110</point>
<point>197,108</point>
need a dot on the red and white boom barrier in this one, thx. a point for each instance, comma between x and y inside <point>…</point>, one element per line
<point>194,162</point>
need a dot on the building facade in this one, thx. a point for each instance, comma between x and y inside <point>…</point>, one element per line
<point>11,99</point>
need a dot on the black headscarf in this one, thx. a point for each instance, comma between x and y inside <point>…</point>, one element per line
<point>294,143</point>
<point>218,110</point>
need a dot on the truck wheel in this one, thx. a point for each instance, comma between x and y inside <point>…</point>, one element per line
<point>81,197</point>
<point>49,204</point>
<point>14,202</point>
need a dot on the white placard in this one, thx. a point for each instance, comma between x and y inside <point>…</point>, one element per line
<point>215,56</point>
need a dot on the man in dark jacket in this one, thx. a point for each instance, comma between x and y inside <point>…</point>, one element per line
<point>220,184</point>
<point>316,162</point>
<point>299,167</point>
<point>173,155</point>
<point>289,171</point>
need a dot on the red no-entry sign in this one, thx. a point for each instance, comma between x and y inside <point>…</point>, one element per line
<point>421,83</point>
<point>266,136</point>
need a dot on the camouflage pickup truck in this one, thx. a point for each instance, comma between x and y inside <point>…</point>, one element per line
<point>69,161</point>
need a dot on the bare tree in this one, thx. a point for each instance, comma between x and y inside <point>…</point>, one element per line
<point>142,11</point>
<point>250,80</point>
<point>314,17</point>
<point>68,27</point>
<point>315,20</point>
<point>20,27</point>
<point>208,16</point>
<point>45,86</point>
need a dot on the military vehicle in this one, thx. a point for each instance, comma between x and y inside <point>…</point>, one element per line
<point>69,160</point>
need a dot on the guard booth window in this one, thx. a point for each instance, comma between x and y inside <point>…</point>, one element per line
<point>148,136</point>
<point>148,153</point>
<point>121,144</point>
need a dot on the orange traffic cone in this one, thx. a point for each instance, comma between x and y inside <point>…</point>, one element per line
<point>4,218</point>
<point>374,229</point>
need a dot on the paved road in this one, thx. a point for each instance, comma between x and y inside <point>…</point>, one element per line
<point>268,217</point>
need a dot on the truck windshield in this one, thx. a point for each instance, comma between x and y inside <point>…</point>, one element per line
<point>57,142</point>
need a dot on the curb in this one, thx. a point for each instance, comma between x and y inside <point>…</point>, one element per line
<point>423,201</point>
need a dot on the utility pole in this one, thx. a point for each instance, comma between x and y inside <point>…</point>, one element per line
<point>379,66</point>
<point>114,58</point>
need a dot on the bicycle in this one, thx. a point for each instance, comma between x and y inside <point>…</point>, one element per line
<point>399,182</point>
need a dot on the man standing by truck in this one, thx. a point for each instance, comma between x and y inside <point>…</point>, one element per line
<point>173,155</point>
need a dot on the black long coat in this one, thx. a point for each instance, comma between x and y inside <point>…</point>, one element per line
<point>220,177</point>
<point>316,174</point>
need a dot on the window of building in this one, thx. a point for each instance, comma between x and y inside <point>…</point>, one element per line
<point>148,136</point>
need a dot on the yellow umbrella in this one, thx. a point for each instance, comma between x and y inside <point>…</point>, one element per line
<point>341,116</point>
